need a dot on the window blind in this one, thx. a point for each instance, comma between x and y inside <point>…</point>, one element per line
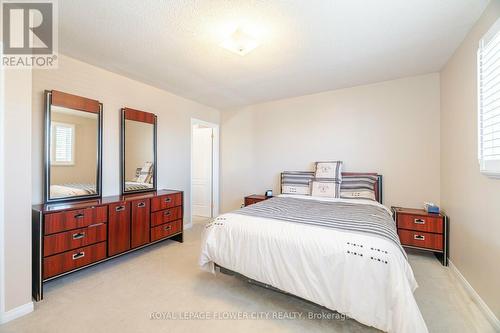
<point>63,142</point>
<point>489,101</point>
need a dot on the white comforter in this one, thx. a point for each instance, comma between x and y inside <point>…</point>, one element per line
<point>314,263</point>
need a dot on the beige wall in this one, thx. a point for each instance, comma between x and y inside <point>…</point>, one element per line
<point>471,200</point>
<point>16,192</point>
<point>139,146</point>
<point>391,128</point>
<point>84,170</point>
<point>115,91</point>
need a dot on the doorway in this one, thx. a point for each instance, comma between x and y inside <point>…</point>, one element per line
<point>204,170</point>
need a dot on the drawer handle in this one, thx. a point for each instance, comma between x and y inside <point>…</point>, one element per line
<point>167,228</point>
<point>419,221</point>
<point>79,235</point>
<point>120,208</point>
<point>78,255</point>
<point>167,213</point>
<point>141,204</point>
<point>79,216</point>
<point>419,237</point>
<point>167,200</point>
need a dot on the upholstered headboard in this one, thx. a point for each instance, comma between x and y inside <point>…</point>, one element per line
<point>377,186</point>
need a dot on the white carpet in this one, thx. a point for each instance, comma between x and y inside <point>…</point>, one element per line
<point>120,295</point>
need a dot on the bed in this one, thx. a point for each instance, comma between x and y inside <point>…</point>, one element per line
<point>69,190</point>
<point>342,254</point>
<point>136,186</point>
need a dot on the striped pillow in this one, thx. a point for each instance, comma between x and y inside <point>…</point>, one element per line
<point>329,170</point>
<point>358,187</point>
<point>296,182</point>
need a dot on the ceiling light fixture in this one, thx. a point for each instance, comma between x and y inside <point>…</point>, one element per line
<point>240,42</point>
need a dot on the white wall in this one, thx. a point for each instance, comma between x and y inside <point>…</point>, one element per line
<point>115,91</point>
<point>470,199</point>
<point>139,146</point>
<point>2,190</point>
<point>201,172</point>
<point>390,127</point>
<point>15,192</point>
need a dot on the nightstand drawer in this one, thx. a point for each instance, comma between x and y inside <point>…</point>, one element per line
<point>421,239</point>
<point>249,201</point>
<point>421,223</point>
<point>254,198</point>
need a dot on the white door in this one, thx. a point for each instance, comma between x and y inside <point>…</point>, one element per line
<point>202,171</point>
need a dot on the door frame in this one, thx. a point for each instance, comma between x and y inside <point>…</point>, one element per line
<point>215,168</point>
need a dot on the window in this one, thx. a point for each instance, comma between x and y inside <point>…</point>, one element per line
<point>63,144</point>
<point>488,65</point>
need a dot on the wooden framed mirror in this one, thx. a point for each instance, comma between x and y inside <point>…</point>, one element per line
<point>73,147</point>
<point>138,147</point>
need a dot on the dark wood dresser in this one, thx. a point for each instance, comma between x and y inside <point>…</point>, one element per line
<point>424,231</point>
<point>73,235</point>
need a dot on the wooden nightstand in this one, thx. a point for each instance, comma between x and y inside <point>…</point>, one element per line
<point>424,231</point>
<point>254,198</point>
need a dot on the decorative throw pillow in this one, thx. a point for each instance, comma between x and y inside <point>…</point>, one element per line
<point>145,172</point>
<point>329,170</point>
<point>358,187</point>
<point>296,182</point>
<point>149,178</point>
<point>325,188</point>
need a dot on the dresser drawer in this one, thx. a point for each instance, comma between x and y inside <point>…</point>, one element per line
<point>167,215</point>
<point>65,241</point>
<point>166,201</point>
<point>421,223</point>
<point>67,261</point>
<point>421,239</point>
<point>73,219</point>
<point>166,230</point>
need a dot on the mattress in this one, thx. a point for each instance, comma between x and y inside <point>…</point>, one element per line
<point>362,275</point>
<point>70,190</point>
<point>137,186</point>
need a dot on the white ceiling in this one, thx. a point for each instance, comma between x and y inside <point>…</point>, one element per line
<point>306,46</point>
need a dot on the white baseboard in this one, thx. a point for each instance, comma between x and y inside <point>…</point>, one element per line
<point>475,297</point>
<point>188,226</point>
<point>16,312</point>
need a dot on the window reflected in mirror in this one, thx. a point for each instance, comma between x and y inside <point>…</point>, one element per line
<point>74,137</point>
